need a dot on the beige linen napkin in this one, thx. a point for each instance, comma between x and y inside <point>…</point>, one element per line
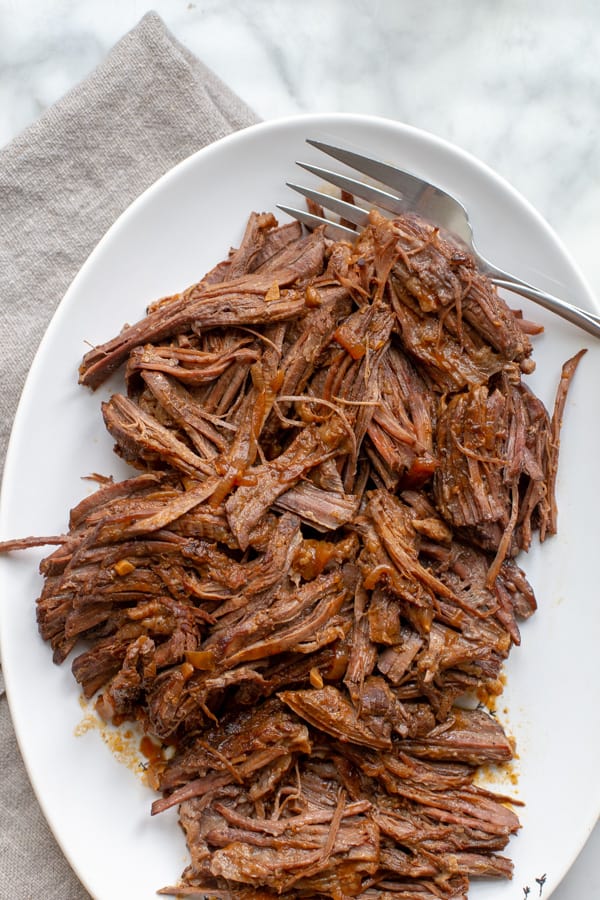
<point>63,182</point>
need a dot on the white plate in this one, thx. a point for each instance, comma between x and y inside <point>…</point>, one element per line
<point>97,807</point>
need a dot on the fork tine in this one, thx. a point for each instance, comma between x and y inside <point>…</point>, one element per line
<point>439,207</point>
<point>333,230</point>
<point>358,189</point>
<point>409,186</point>
<point>348,211</point>
<point>420,196</point>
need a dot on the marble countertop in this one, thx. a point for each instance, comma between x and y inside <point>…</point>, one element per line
<point>518,89</point>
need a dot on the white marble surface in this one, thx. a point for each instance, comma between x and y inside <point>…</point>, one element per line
<point>515,82</point>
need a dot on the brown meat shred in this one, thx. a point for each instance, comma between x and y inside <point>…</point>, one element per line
<point>338,459</point>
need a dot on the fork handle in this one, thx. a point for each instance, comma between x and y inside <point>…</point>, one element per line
<point>580,317</point>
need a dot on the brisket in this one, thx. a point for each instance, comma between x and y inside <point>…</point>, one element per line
<point>339,458</point>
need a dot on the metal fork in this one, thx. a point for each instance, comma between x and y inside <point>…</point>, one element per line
<point>413,194</point>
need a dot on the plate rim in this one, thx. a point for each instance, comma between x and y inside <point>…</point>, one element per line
<point>121,222</point>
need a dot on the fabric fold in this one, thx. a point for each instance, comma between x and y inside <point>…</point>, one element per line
<point>67,178</point>
<point>63,182</point>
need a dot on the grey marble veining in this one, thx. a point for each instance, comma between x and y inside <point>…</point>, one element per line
<point>518,89</point>
<point>517,83</point>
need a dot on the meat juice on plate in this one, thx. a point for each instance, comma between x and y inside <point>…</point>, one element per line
<point>338,461</point>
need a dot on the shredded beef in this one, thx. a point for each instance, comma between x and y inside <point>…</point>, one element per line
<point>339,459</point>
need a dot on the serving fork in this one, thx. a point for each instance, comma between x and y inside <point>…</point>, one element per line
<point>403,192</point>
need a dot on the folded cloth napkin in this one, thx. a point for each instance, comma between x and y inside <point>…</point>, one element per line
<point>63,182</point>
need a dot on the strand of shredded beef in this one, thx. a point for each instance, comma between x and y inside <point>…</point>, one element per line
<point>339,462</point>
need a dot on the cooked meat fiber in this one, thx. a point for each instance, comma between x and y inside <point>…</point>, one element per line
<point>338,459</point>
